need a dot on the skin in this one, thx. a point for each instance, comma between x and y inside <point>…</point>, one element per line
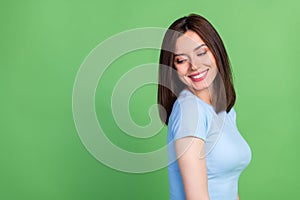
<point>194,57</point>
<point>192,168</point>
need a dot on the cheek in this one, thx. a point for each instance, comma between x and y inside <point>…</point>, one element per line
<point>181,70</point>
<point>211,58</point>
<point>213,63</point>
<point>214,71</point>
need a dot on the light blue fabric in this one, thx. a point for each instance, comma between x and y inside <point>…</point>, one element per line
<point>227,153</point>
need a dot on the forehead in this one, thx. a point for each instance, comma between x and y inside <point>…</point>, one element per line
<point>188,42</point>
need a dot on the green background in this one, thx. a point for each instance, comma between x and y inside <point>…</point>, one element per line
<point>42,45</point>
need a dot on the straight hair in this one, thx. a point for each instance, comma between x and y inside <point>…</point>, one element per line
<point>169,85</point>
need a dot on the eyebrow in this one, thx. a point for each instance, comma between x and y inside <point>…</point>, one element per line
<point>182,54</point>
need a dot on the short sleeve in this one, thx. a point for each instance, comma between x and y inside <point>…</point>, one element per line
<point>233,115</point>
<point>189,118</point>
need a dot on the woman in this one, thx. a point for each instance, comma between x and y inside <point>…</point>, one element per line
<point>196,96</point>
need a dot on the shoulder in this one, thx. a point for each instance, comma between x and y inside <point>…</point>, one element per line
<point>232,112</point>
<point>232,115</point>
<point>188,101</point>
<point>188,109</point>
<point>190,117</point>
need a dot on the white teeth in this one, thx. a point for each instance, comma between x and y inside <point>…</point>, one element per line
<point>199,75</point>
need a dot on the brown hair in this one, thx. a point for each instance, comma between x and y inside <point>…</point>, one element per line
<point>169,85</point>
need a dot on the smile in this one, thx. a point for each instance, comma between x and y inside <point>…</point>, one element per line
<point>199,76</point>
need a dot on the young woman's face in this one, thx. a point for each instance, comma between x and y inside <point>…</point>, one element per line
<point>194,62</point>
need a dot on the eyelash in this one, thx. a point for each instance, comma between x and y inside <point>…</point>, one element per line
<point>178,61</point>
<point>202,53</point>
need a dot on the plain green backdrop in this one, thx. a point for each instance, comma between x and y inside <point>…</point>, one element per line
<point>42,45</point>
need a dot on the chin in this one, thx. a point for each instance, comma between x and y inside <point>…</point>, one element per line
<point>199,86</point>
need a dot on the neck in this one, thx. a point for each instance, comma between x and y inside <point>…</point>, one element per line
<point>205,94</point>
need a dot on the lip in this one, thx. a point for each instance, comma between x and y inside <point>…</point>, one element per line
<point>199,76</point>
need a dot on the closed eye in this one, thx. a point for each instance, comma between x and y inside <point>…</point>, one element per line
<point>180,61</point>
<point>202,53</point>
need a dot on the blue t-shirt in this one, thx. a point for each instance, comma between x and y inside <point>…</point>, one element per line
<point>227,153</point>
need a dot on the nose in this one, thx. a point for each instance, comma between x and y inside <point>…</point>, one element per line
<point>194,64</point>
<point>194,67</point>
